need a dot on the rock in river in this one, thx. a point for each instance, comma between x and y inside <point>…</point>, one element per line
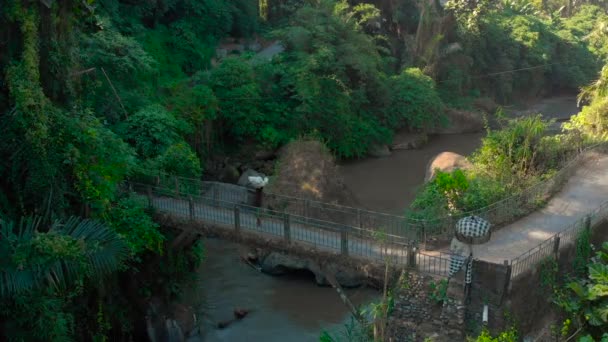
<point>275,263</point>
<point>446,162</point>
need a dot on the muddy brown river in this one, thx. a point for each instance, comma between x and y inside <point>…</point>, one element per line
<point>389,184</point>
<point>291,308</point>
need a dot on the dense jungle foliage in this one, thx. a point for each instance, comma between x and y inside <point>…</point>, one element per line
<point>93,92</point>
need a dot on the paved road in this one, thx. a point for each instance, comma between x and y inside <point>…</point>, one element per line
<point>585,190</point>
<point>268,53</point>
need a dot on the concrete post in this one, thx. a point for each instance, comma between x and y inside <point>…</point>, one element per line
<point>237,219</point>
<point>191,208</point>
<point>507,287</point>
<point>587,224</point>
<point>411,256</point>
<point>215,196</point>
<point>556,247</point>
<point>344,241</point>
<point>286,228</point>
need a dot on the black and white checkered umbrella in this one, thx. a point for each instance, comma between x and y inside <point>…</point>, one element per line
<point>470,230</point>
<point>473,230</point>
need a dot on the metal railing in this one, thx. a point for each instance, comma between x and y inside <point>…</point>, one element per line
<point>499,213</point>
<point>551,247</point>
<point>229,212</point>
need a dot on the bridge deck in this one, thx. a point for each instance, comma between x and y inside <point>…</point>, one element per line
<point>321,235</point>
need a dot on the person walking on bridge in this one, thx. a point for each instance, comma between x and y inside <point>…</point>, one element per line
<point>258,183</point>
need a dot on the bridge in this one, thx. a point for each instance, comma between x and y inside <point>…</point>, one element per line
<point>228,207</point>
<point>374,236</point>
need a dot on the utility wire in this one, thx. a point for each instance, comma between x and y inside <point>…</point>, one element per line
<point>505,72</point>
<point>437,82</point>
<point>441,81</point>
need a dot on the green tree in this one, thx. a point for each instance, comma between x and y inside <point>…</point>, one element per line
<point>414,102</point>
<point>99,159</point>
<point>152,130</point>
<point>198,106</point>
<point>233,82</point>
<point>334,72</point>
<point>179,160</point>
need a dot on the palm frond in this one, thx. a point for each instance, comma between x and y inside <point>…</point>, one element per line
<point>77,248</point>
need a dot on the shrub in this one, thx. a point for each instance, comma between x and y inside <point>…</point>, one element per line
<point>511,155</point>
<point>592,121</point>
<point>509,335</point>
<point>585,299</point>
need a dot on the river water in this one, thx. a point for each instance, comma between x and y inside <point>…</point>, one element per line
<point>289,308</point>
<point>389,184</point>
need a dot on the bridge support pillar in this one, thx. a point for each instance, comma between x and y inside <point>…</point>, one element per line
<point>286,228</point>
<point>344,241</point>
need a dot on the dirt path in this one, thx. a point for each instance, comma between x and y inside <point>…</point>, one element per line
<point>584,191</point>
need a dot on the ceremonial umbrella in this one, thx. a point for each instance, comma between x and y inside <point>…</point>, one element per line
<point>470,230</point>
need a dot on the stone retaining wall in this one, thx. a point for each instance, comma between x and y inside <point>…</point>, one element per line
<point>417,316</point>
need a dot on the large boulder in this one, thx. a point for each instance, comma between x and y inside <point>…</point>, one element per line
<point>307,170</point>
<point>244,179</point>
<point>446,162</point>
<point>275,263</point>
<point>169,322</point>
